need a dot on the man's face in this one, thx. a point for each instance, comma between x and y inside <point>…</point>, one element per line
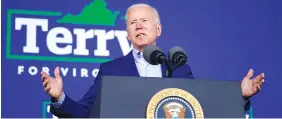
<point>142,28</point>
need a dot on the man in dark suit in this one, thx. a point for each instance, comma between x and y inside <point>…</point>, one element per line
<point>143,27</point>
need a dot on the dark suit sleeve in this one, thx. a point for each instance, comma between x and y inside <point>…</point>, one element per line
<point>247,105</point>
<point>80,109</point>
<point>189,72</point>
<point>183,72</point>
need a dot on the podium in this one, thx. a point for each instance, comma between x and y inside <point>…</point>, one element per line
<point>144,97</point>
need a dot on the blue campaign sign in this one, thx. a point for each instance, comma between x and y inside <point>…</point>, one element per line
<point>223,40</point>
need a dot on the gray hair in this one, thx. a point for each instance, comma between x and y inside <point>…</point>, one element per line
<point>156,14</point>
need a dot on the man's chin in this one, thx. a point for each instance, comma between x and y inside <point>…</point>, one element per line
<point>143,45</point>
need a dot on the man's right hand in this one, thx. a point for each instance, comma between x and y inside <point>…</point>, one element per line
<point>53,86</point>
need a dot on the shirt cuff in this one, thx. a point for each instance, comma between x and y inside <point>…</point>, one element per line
<point>59,102</point>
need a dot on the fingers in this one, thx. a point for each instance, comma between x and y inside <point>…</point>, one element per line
<point>47,89</point>
<point>259,78</point>
<point>261,81</point>
<point>250,73</point>
<point>57,72</point>
<point>256,89</point>
<point>45,83</point>
<point>45,80</point>
<point>45,76</point>
<point>257,82</point>
<point>257,86</point>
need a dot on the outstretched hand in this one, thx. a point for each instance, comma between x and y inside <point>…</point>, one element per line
<point>250,86</point>
<point>52,86</point>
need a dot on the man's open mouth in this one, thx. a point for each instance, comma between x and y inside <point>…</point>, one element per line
<point>140,34</point>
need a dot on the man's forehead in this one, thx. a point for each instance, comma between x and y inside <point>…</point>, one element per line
<point>140,12</point>
<point>141,7</point>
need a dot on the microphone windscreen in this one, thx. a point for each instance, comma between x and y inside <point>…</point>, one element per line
<point>149,53</point>
<point>173,51</point>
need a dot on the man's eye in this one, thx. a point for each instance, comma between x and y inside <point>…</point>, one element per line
<point>144,20</point>
<point>132,22</point>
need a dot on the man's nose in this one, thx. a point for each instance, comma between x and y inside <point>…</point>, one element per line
<point>139,25</point>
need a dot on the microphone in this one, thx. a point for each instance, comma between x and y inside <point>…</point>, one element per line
<point>154,55</point>
<point>177,56</point>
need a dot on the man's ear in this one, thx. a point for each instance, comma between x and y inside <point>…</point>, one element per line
<point>127,34</point>
<point>128,38</point>
<point>159,30</point>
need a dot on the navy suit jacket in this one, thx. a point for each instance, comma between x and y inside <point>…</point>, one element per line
<point>123,66</point>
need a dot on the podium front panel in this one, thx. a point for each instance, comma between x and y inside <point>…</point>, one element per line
<point>128,97</point>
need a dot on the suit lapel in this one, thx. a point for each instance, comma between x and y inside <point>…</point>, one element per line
<point>129,65</point>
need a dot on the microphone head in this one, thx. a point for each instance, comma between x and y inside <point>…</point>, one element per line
<point>177,56</point>
<point>152,54</point>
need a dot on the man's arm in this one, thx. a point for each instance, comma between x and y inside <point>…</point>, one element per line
<point>251,86</point>
<point>247,105</point>
<point>67,108</point>
<point>183,72</point>
<point>57,103</point>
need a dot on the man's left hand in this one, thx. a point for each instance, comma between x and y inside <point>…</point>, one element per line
<point>251,86</point>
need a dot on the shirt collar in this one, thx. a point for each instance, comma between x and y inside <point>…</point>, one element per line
<point>137,54</point>
<point>138,57</point>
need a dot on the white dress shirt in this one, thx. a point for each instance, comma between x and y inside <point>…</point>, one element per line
<point>144,68</point>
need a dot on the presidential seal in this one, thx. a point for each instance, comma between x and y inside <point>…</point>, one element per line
<point>174,103</point>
